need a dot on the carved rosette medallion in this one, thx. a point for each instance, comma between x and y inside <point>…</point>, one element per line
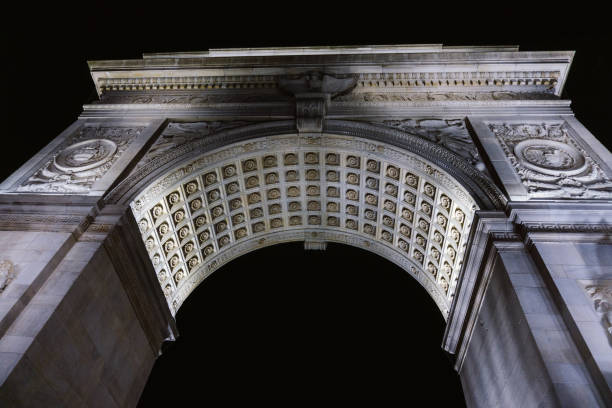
<point>550,163</point>
<point>81,160</point>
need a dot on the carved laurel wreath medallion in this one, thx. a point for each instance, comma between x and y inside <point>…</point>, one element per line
<point>550,157</point>
<point>85,155</point>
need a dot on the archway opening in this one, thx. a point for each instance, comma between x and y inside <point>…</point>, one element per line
<point>282,326</point>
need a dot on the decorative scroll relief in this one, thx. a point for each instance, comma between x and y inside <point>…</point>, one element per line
<point>259,96</point>
<point>444,96</point>
<point>450,133</point>
<point>81,161</point>
<point>192,97</point>
<point>7,274</point>
<point>200,211</point>
<point>550,163</point>
<point>601,295</point>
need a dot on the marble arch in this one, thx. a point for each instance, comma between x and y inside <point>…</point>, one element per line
<point>463,165</point>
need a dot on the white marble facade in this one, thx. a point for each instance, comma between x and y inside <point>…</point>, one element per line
<point>462,165</point>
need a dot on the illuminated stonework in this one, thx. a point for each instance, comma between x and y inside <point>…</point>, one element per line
<point>293,188</point>
<point>462,165</point>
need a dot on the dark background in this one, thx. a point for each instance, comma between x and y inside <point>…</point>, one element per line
<point>342,322</point>
<point>46,79</point>
<point>284,327</point>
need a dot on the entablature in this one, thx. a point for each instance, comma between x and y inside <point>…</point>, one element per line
<point>403,69</point>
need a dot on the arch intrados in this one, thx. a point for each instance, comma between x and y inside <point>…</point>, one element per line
<point>416,256</point>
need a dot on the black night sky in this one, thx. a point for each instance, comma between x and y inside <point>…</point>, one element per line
<point>281,326</point>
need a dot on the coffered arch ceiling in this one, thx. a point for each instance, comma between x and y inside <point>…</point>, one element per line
<point>208,208</point>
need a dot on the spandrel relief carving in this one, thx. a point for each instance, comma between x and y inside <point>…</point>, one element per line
<point>450,133</point>
<point>550,163</point>
<point>81,161</point>
<point>7,274</point>
<point>178,134</point>
<point>601,295</point>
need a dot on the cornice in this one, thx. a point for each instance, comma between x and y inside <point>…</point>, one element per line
<point>431,69</point>
<point>330,49</point>
<point>339,59</point>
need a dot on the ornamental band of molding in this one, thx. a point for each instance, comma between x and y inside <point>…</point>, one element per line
<point>125,99</point>
<point>43,222</point>
<point>546,80</point>
<point>524,228</point>
<point>556,227</point>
